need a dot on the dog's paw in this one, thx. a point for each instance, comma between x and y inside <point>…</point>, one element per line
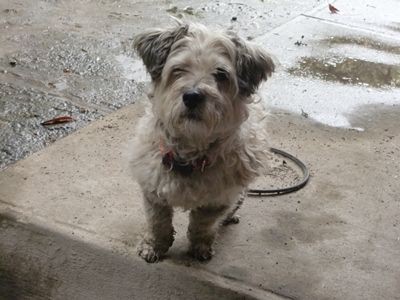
<point>147,252</point>
<point>231,220</point>
<point>201,252</point>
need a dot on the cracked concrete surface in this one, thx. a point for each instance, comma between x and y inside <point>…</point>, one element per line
<point>70,215</point>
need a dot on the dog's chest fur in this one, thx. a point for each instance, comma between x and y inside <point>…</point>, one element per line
<point>218,184</point>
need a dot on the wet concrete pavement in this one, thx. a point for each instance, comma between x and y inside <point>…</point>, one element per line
<point>71,212</point>
<point>73,58</point>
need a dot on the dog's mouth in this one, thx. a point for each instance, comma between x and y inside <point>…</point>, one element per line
<point>192,115</point>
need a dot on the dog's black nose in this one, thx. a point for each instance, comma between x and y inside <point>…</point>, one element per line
<point>192,98</point>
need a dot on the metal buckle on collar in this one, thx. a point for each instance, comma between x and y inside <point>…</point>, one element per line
<point>183,167</point>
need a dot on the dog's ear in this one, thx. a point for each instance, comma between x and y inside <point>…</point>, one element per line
<point>253,65</point>
<point>154,46</point>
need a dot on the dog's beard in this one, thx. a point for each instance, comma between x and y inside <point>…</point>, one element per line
<point>203,123</point>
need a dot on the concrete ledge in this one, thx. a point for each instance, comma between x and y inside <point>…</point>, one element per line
<point>40,264</point>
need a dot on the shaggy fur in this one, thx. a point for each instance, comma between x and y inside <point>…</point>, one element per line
<point>226,71</point>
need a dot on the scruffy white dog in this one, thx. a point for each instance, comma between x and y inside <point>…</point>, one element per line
<point>197,148</point>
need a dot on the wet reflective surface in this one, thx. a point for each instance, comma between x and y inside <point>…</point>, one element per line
<point>22,108</point>
<point>75,58</point>
<point>336,71</point>
<point>349,71</point>
<point>394,26</point>
<point>366,42</point>
<point>55,73</point>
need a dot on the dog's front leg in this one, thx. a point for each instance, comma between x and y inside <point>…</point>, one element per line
<point>203,227</point>
<point>160,235</point>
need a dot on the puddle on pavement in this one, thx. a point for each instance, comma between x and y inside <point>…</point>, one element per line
<point>349,71</point>
<point>394,26</point>
<point>363,42</point>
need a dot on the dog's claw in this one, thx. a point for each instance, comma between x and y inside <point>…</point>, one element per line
<point>148,253</point>
<point>149,256</point>
<point>201,252</point>
<point>231,220</point>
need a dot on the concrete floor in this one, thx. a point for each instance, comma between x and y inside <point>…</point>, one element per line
<point>71,215</point>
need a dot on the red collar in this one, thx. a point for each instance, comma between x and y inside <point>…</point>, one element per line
<point>173,163</point>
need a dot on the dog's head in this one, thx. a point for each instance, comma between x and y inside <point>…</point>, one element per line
<point>202,79</point>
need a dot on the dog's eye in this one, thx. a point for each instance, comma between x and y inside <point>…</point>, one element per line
<point>177,71</point>
<point>221,75</point>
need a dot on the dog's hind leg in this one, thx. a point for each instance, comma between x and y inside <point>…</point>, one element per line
<point>203,225</point>
<point>160,235</point>
<point>232,218</point>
